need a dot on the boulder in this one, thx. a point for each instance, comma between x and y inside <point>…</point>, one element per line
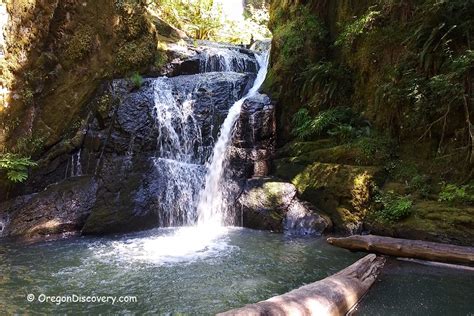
<point>60,209</point>
<point>190,59</point>
<point>343,192</point>
<point>270,204</point>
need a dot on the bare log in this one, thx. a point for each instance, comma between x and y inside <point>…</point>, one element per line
<point>334,295</point>
<point>407,248</point>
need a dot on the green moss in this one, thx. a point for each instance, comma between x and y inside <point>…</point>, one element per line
<point>135,55</point>
<point>80,44</point>
<point>136,79</point>
<point>431,220</point>
<point>161,59</point>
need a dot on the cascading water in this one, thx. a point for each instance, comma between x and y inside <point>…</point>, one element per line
<point>178,161</point>
<point>191,192</point>
<point>222,59</point>
<point>212,208</point>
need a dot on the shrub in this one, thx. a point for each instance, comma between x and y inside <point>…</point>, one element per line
<point>16,167</point>
<point>137,80</point>
<point>457,194</point>
<point>375,147</point>
<point>394,207</point>
<point>307,126</point>
<point>358,27</point>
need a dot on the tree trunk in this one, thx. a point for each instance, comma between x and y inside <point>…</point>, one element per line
<point>334,295</point>
<point>406,248</point>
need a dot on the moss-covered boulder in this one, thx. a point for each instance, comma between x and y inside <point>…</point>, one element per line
<point>431,220</point>
<point>344,192</point>
<point>271,204</point>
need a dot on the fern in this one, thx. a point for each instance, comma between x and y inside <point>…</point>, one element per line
<point>307,126</point>
<point>16,167</point>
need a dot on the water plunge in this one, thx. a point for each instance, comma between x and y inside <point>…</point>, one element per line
<point>212,208</point>
<point>191,166</point>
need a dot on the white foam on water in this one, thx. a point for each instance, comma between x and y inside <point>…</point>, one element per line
<point>170,246</point>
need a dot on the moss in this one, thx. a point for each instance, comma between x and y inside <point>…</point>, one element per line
<point>431,220</point>
<point>135,55</point>
<point>161,59</point>
<point>80,44</point>
<point>344,192</point>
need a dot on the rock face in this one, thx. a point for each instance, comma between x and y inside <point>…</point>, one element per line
<point>145,146</point>
<point>60,208</point>
<point>210,57</point>
<point>253,144</point>
<point>268,203</point>
<point>133,190</point>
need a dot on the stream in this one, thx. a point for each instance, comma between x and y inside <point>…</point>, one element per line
<point>170,272</point>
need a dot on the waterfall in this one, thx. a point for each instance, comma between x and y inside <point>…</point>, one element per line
<point>225,59</point>
<point>190,163</point>
<point>178,160</point>
<point>212,204</point>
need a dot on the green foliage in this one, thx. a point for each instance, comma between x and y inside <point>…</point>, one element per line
<point>295,37</point>
<point>409,173</point>
<point>307,126</point>
<point>457,193</point>
<point>16,167</point>
<point>394,207</point>
<point>137,80</point>
<point>352,30</point>
<point>200,19</point>
<point>325,83</point>
<point>375,146</point>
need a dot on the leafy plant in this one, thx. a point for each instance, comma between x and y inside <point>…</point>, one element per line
<point>457,194</point>
<point>325,83</point>
<point>394,207</point>
<point>356,28</point>
<point>375,146</point>
<point>137,80</point>
<point>341,123</point>
<point>16,167</point>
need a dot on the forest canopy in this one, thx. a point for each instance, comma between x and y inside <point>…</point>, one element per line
<point>216,20</point>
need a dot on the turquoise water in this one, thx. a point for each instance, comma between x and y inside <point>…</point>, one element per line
<point>171,271</point>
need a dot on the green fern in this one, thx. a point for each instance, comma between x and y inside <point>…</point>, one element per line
<point>16,167</point>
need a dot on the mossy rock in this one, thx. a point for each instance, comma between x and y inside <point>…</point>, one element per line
<point>344,192</point>
<point>432,220</point>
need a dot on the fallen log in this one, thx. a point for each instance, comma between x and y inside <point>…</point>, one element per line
<point>407,248</point>
<point>334,295</point>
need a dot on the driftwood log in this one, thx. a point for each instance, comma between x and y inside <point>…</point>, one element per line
<point>407,248</point>
<point>334,295</point>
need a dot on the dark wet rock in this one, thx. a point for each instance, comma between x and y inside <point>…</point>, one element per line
<point>253,143</point>
<point>61,208</point>
<point>125,199</point>
<point>270,204</point>
<point>118,142</point>
<point>123,147</point>
<point>189,59</point>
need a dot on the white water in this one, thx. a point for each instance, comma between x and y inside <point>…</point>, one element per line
<point>224,59</point>
<point>169,246</point>
<point>183,198</point>
<point>212,207</point>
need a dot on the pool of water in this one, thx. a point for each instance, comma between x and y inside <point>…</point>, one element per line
<point>191,271</point>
